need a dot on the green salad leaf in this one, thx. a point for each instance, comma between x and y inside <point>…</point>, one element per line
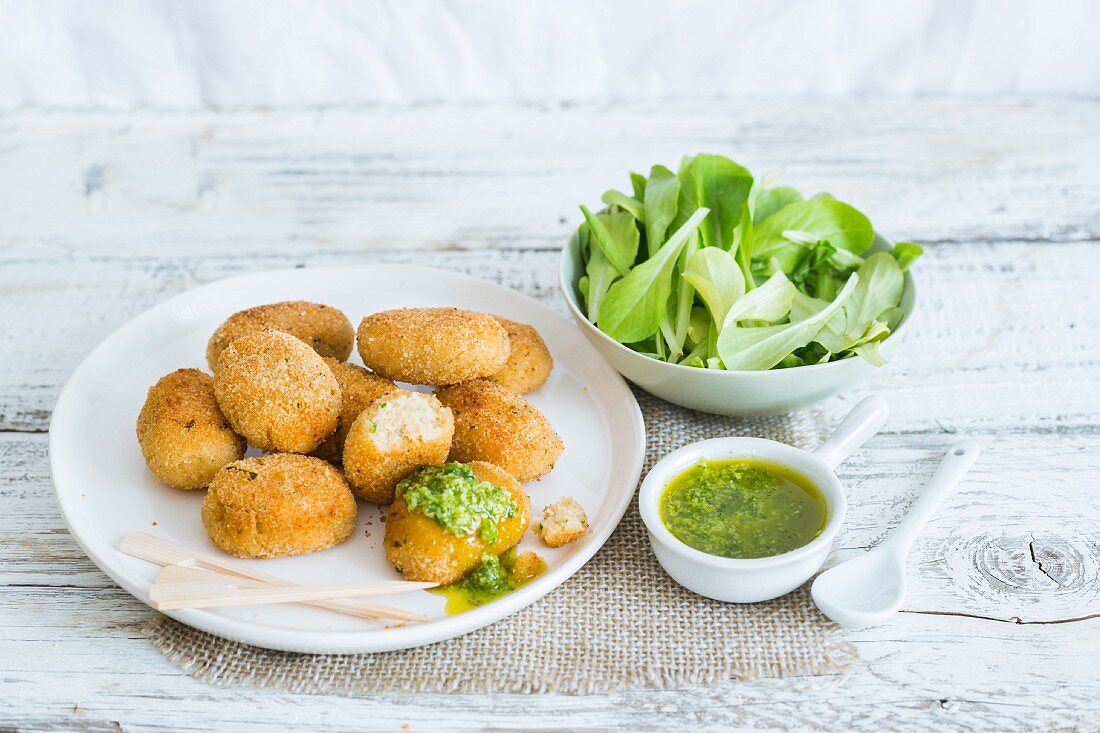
<point>710,268</point>
<point>770,200</point>
<point>634,306</point>
<point>714,274</point>
<point>719,185</point>
<point>662,192</point>
<point>762,347</point>
<point>632,205</point>
<point>824,218</point>
<point>616,236</point>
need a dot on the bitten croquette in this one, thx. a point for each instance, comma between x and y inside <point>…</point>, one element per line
<point>393,437</point>
<point>436,346</point>
<point>324,328</point>
<point>277,392</point>
<point>358,389</point>
<point>277,505</point>
<point>562,522</point>
<point>495,425</point>
<point>422,549</point>
<point>184,436</point>
<point>529,361</point>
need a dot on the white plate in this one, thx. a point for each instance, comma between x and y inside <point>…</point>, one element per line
<point>105,491</point>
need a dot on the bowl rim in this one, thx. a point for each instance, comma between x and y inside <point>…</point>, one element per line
<point>657,480</point>
<point>568,290</point>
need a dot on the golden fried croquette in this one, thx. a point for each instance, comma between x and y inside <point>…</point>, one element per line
<point>529,361</point>
<point>562,522</point>
<point>421,548</point>
<point>358,389</point>
<point>277,392</point>
<point>391,438</point>
<point>495,425</point>
<point>324,328</point>
<point>182,432</point>
<point>433,345</point>
<point>276,505</point>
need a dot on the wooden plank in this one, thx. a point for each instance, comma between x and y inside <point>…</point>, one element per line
<point>999,339</point>
<point>156,183</point>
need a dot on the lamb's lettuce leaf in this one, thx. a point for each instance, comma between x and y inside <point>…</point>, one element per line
<point>620,199</point>
<point>635,304</point>
<point>763,347</point>
<point>661,196</point>
<point>770,200</point>
<point>715,276</point>
<point>822,218</point>
<point>616,235</point>
<point>769,302</point>
<point>720,185</point>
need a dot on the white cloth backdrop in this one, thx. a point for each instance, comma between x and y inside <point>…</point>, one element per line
<point>295,53</point>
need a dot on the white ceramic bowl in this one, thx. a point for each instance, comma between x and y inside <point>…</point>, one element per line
<point>758,579</point>
<point>771,392</point>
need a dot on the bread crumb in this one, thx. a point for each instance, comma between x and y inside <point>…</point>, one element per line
<point>562,522</point>
<point>528,565</point>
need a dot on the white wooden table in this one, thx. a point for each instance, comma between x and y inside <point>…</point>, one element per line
<point>103,215</point>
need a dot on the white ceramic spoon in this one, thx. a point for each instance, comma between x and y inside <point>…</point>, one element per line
<point>870,588</point>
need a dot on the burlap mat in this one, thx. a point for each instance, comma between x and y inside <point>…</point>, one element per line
<point>620,622</point>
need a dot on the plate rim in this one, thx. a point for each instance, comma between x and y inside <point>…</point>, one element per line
<point>105,557</point>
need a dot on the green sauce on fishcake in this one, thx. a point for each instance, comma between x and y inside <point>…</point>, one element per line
<point>743,508</point>
<point>455,498</point>
<point>491,579</point>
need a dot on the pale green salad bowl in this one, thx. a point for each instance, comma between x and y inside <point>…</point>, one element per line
<point>770,392</point>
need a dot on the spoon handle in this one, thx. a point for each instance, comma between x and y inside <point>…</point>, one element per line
<point>854,430</point>
<point>956,462</point>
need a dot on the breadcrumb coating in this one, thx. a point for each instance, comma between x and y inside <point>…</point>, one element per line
<point>391,438</point>
<point>433,345</point>
<point>184,436</point>
<point>562,522</point>
<point>324,328</point>
<point>277,505</point>
<point>277,392</point>
<point>359,388</point>
<point>421,549</point>
<point>529,361</point>
<point>495,425</point>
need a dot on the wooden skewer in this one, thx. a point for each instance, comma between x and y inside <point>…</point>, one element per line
<point>190,575</point>
<point>170,596</point>
<point>164,552</point>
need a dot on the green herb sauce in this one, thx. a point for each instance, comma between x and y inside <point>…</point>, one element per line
<point>458,501</point>
<point>494,577</point>
<point>743,508</point>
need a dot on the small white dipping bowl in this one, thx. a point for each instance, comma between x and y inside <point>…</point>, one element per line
<point>758,579</point>
<point>770,392</point>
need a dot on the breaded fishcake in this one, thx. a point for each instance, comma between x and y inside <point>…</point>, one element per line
<point>277,392</point>
<point>324,328</point>
<point>529,361</point>
<point>433,345</point>
<point>183,434</point>
<point>495,425</point>
<point>562,522</point>
<point>358,389</point>
<point>391,438</point>
<point>276,505</point>
<point>422,549</point>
